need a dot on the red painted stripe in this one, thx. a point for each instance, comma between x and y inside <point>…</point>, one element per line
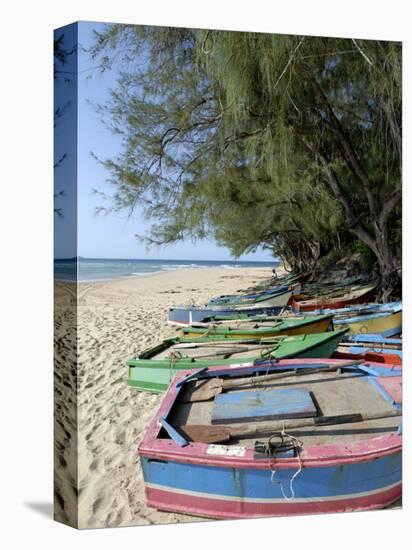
<point>311,457</point>
<point>216,508</point>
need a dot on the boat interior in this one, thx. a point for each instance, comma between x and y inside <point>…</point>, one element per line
<point>216,350</point>
<point>322,394</point>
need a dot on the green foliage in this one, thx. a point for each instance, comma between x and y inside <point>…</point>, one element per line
<point>288,142</point>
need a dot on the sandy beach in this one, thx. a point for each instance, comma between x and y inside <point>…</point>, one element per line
<point>115,320</point>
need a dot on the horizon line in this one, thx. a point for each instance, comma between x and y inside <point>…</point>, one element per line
<point>161,259</point>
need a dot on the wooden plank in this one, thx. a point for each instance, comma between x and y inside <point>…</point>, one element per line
<point>262,405</point>
<point>177,438</point>
<point>219,434</point>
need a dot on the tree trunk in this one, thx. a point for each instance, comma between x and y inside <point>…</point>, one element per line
<point>390,284</point>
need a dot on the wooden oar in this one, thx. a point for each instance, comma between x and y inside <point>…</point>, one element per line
<point>208,389</point>
<point>220,434</point>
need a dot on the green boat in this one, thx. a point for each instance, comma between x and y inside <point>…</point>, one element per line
<point>153,369</point>
<point>268,328</point>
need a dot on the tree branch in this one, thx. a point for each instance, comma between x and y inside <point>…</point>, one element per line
<point>355,224</point>
<point>348,151</point>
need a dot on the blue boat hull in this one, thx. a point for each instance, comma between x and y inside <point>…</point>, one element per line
<point>237,481</point>
<point>227,492</point>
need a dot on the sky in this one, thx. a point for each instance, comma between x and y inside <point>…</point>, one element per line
<point>110,235</point>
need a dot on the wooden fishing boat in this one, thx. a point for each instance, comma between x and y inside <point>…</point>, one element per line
<point>356,295</point>
<point>383,319</point>
<point>375,341</point>
<point>236,317</point>
<point>361,344</point>
<point>354,309</point>
<point>153,369</point>
<point>186,315</point>
<point>274,299</point>
<point>247,295</point>
<point>237,300</point>
<point>274,326</point>
<point>283,280</point>
<point>332,288</point>
<point>386,322</point>
<point>314,438</point>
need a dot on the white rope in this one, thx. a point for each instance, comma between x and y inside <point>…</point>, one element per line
<point>297,445</point>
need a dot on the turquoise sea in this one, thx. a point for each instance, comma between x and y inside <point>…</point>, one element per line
<point>100,269</point>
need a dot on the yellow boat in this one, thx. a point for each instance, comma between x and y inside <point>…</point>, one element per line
<point>386,321</point>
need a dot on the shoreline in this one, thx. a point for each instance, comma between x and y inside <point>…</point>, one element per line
<point>117,319</point>
<point>280,270</point>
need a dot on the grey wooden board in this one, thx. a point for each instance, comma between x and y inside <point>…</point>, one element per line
<point>246,406</point>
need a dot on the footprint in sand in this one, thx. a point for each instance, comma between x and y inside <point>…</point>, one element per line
<point>94,465</point>
<point>96,505</point>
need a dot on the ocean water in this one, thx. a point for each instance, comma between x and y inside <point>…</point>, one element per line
<point>100,269</point>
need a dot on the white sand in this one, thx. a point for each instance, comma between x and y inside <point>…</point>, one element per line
<point>116,320</point>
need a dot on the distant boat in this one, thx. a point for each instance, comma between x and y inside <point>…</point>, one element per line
<point>153,369</point>
<point>274,326</point>
<point>263,299</point>
<point>244,299</point>
<point>186,315</point>
<point>356,295</point>
<point>385,320</point>
<point>374,343</point>
<point>375,339</point>
<point>313,443</point>
<point>274,282</point>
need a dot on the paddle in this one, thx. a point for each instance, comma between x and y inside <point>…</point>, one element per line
<point>212,387</point>
<point>220,434</point>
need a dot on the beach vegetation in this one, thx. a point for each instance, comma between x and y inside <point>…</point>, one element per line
<point>293,143</point>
